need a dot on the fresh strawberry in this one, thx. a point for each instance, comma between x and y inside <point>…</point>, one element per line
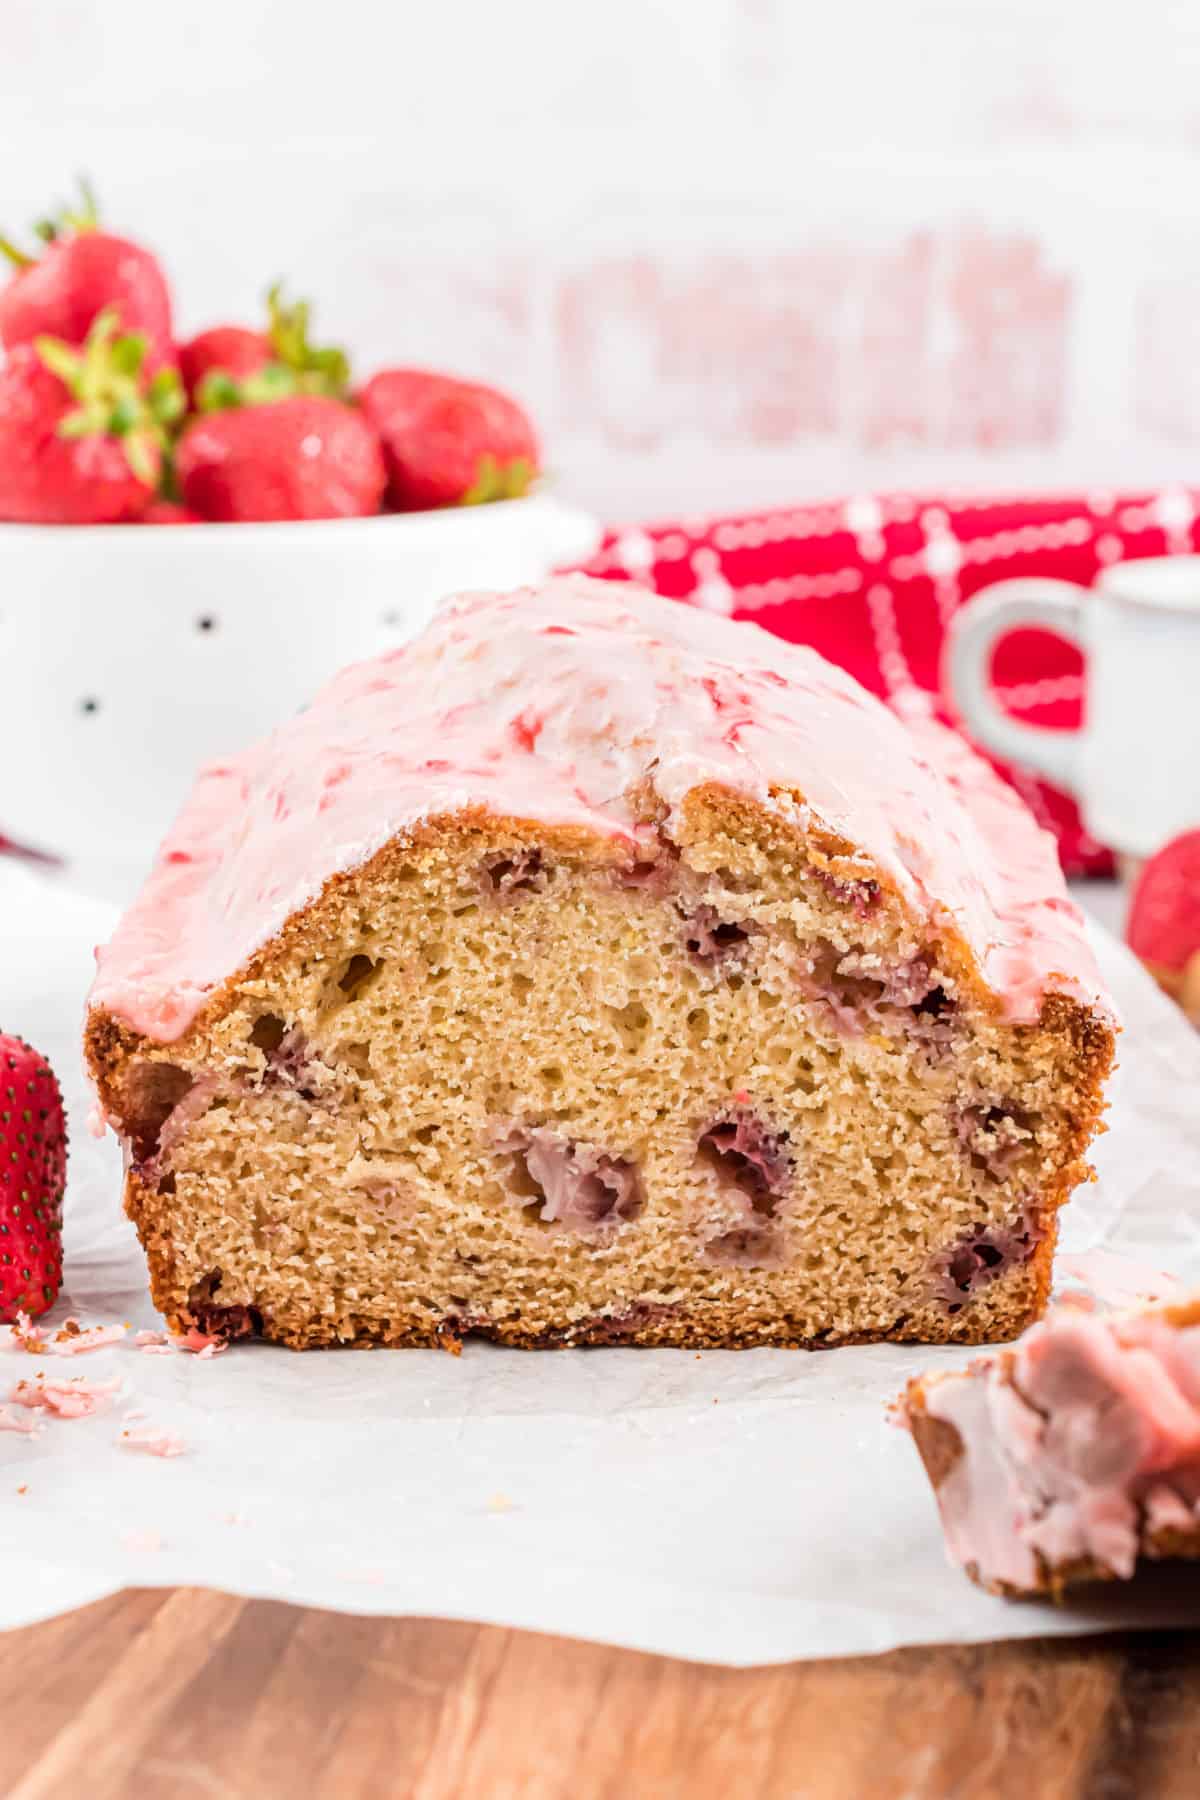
<point>83,431</point>
<point>81,273</point>
<point>232,351</point>
<point>230,365</point>
<point>169,512</point>
<point>1164,913</point>
<point>448,442</point>
<point>304,457</point>
<point>33,1169</point>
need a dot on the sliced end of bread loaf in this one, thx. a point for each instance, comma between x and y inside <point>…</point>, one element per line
<point>519,1081</point>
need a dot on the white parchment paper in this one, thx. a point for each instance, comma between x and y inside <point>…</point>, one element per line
<point>734,1507</point>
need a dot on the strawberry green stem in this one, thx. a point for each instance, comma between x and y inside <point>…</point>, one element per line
<point>85,216</point>
<point>16,256</point>
<point>107,380</point>
<point>317,369</point>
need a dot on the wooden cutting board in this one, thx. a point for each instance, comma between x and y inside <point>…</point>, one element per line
<point>179,1693</point>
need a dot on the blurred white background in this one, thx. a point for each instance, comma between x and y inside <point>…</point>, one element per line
<point>730,251</point>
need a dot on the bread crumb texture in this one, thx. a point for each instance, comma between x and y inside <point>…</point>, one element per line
<point>498,1081</point>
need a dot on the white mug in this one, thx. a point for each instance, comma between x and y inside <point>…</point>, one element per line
<point>1134,765</point>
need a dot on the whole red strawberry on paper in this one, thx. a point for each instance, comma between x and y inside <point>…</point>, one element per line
<point>33,1170</point>
<point>81,272</point>
<point>83,430</point>
<point>449,442</point>
<point>1164,920</point>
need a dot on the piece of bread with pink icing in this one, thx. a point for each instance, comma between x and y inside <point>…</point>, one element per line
<point>595,970</point>
<point>1072,1455</point>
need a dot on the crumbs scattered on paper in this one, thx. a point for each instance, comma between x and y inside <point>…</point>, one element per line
<point>73,1399</point>
<point>191,1342</point>
<point>23,1335</point>
<point>152,1442</point>
<point>201,1343</point>
<point>73,1339</point>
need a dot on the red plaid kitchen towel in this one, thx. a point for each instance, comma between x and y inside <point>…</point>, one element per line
<point>870,582</point>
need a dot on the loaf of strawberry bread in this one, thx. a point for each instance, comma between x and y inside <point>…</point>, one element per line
<point>595,970</point>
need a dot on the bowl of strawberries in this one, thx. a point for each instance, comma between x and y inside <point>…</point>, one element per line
<point>195,535</point>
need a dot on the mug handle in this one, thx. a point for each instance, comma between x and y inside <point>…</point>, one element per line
<point>971,638</point>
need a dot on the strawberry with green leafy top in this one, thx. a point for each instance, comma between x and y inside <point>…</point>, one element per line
<point>81,272</point>
<point>449,442</point>
<point>83,429</point>
<point>232,365</point>
<point>33,1168</point>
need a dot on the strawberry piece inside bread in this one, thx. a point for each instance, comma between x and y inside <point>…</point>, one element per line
<point>595,970</point>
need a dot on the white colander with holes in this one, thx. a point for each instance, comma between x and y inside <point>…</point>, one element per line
<point>131,655</point>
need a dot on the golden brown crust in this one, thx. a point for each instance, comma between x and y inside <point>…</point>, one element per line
<point>1168,1544</point>
<point>937,1440</point>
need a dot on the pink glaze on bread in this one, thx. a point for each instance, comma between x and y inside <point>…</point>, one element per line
<point>550,705</point>
<point>1071,1455</point>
